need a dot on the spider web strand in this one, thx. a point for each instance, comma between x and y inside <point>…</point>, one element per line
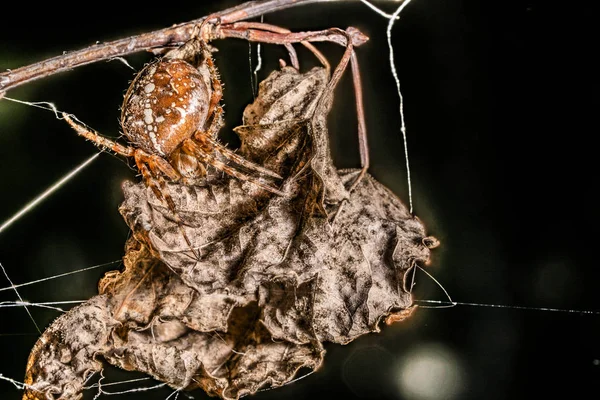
<point>47,193</point>
<point>378,10</point>
<point>50,305</point>
<point>392,20</point>
<point>59,275</point>
<point>446,304</point>
<point>20,298</point>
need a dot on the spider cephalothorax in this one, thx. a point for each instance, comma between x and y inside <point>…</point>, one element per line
<point>171,116</point>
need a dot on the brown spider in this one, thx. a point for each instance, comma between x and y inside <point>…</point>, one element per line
<point>171,116</point>
<point>171,113</point>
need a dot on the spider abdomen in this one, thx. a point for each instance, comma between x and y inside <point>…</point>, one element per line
<point>165,104</point>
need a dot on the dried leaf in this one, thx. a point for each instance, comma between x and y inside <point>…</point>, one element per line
<point>239,290</point>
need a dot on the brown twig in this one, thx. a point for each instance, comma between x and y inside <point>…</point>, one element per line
<point>176,34</point>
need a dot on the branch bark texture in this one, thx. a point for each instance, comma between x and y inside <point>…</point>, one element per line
<point>171,36</point>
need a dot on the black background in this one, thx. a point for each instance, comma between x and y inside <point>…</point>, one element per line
<point>498,102</point>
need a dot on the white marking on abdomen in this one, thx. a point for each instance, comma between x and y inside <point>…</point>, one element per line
<point>157,146</point>
<point>148,118</point>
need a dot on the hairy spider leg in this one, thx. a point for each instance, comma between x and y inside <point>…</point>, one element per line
<point>217,87</point>
<point>149,165</point>
<point>203,148</point>
<point>150,171</point>
<point>236,158</point>
<point>156,162</point>
<point>204,153</point>
<point>209,136</point>
<point>151,177</point>
<point>100,141</point>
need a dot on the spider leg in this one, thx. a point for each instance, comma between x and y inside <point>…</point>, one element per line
<point>157,164</point>
<point>217,88</point>
<point>350,56</point>
<point>265,33</point>
<point>261,26</point>
<point>363,145</point>
<point>149,165</point>
<point>216,124</point>
<point>208,143</point>
<point>236,158</point>
<point>152,178</point>
<point>208,158</point>
<point>100,141</point>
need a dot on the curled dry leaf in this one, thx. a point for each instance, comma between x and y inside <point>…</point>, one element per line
<point>240,289</point>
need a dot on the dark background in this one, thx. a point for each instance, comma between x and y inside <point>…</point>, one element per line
<point>498,102</point>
